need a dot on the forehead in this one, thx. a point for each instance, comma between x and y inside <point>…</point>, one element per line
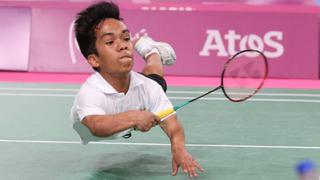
<point>110,26</point>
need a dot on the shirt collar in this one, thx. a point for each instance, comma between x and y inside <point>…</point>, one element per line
<point>101,84</point>
<point>134,80</point>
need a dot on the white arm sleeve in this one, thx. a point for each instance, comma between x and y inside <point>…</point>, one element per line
<point>158,99</point>
<point>88,103</point>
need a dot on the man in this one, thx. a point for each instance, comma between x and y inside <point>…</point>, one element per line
<point>115,100</point>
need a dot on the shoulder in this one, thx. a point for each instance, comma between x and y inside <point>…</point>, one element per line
<point>145,81</point>
<point>148,87</point>
<point>89,90</point>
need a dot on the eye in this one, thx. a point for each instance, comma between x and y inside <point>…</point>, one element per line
<point>109,43</point>
<point>127,38</point>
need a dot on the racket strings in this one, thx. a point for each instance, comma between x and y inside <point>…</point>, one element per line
<point>244,75</point>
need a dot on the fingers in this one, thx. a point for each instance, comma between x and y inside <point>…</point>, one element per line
<point>191,170</point>
<point>157,119</point>
<point>185,168</point>
<point>191,167</point>
<point>146,121</point>
<point>175,168</point>
<point>198,166</point>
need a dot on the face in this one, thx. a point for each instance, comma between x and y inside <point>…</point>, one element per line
<point>115,49</point>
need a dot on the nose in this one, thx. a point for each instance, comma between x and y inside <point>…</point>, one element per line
<point>123,45</point>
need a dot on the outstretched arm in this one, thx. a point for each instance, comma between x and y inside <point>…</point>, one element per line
<point>180,156</point>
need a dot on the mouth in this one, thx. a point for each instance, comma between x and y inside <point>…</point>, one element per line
<point>126,60</point>
<point>127,56</point>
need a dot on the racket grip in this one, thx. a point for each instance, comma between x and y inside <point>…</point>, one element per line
<point>164,113</point>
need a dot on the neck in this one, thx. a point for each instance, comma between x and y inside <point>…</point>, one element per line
<point>119,82</point>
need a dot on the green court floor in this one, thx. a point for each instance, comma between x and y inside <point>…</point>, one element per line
<point>259,139</point>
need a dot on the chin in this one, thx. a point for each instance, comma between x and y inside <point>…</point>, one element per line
<point>127,69</point>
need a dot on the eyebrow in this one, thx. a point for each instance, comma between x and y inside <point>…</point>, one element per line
<point>112,34</point>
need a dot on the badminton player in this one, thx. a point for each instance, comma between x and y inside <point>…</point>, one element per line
<point>115,100</point>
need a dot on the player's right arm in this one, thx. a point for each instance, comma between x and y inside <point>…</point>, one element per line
<point>92,110</point>
<point>107,125</point>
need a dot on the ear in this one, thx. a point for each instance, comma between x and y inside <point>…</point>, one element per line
<point>93,60</point>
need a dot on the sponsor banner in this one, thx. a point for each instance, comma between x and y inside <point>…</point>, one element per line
<point>203,40</point>
<point>15,38</point>
<point>53,47</point>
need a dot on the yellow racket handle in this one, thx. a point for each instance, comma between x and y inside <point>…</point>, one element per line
<point>165,113</point>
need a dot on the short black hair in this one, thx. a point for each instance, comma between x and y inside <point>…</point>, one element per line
<point>86,22</point>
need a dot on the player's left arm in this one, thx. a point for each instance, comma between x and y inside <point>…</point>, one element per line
<point>180,156</point>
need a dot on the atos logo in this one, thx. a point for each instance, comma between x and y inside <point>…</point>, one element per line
<point>230,43</point>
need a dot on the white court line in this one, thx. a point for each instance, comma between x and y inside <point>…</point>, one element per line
<point>258,94</point>
<point>37,95</point>
<point>172,98</point>
<point>164,144</point>
<point>38,89</point>
<point>169,92</point>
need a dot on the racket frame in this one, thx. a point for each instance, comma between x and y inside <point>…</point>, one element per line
<point>165,113</point>
<point>226,66</point>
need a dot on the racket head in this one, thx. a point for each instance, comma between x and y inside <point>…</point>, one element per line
<point>244,75</point>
